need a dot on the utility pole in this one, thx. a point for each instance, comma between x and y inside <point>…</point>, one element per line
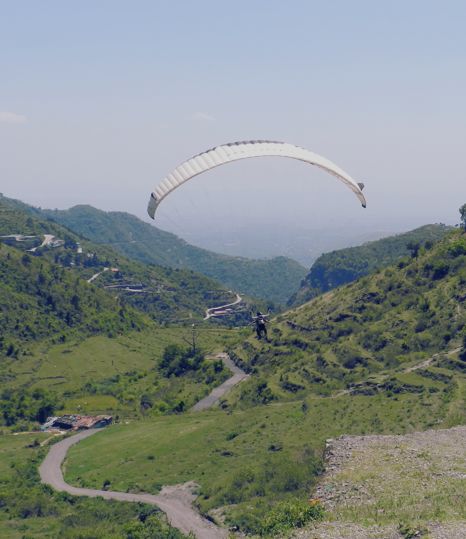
<point>194,338</point>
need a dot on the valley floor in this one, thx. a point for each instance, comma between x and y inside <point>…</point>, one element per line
<point>176,501</point>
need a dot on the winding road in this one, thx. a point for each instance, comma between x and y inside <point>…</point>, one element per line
<point>94,277</point>
<point>210,313</point>
<point>175,501</point>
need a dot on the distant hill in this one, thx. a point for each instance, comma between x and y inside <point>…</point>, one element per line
<point>165,294</point>
<point>346,265</point>
<point>273,279</point>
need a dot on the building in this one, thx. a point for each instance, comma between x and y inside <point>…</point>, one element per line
<point>77,422</point>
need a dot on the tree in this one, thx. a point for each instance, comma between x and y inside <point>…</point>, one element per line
<point>413,247</point>
<point>463,351</point>
<point>462,211</point>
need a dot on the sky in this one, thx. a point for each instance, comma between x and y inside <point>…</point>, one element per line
<point>99,100</point>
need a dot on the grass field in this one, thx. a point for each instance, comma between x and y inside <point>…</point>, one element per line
<point>101,374</point>
<point>66,367</point>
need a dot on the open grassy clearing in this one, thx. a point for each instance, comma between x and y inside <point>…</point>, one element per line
<point>122,376</point>
<point>244,461</point>
<point>68,366</point>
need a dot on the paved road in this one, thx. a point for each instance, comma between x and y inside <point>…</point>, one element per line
<point>213,397</point>
<point>211,312</point>
<point>175,501</point>
<point>94,277</point>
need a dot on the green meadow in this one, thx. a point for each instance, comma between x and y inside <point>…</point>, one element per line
<point>119,375</point>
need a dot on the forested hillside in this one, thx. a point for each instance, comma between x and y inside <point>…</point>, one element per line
<point>346,265</point>
<point>82,326</point>
<point>40,299</point>
<point>274,279</point>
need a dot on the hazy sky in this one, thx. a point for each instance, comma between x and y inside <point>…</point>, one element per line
<point>99,100</point>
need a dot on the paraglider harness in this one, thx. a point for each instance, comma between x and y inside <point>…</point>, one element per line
<point>260,321</point>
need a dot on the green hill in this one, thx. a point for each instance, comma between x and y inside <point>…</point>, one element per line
<point>380,355</point>
<point>40,299</point>
<point>346,265</point>
<point>274,280</point>
<point>378,324</point>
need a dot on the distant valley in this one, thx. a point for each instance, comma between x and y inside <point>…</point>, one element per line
<point>274,279</point>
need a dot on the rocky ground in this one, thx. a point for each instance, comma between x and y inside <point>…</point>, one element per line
<point>394,487</point>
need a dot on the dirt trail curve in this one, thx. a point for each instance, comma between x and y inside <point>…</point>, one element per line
<point>175,501</point>
<point>426,363</point>
<point>422,365</point>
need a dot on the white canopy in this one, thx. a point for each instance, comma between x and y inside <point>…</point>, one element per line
<point>234,151</point>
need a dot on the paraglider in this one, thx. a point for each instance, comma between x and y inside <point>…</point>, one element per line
<point>260,321</point>
<point>226,153</point>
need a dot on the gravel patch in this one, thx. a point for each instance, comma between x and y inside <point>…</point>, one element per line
<point>393,479</point>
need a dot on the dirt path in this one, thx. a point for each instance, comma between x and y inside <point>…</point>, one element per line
<point>213,397</point>
<point>428,361</point>
<point>175,501</point>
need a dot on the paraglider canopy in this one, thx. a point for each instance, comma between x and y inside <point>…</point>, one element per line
<point>234,151</point>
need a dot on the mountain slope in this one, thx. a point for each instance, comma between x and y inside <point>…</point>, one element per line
<point>346,265</point>
<point>275,279</point>
<point>370,328</point>
<point>380,355</point>
<point>77,326</point>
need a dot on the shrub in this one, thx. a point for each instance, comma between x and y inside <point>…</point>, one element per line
<point>177,360</point>
<point>440,270</point>
<point>353,361</point>
<point>290,514</point>
<point>457,248</point>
